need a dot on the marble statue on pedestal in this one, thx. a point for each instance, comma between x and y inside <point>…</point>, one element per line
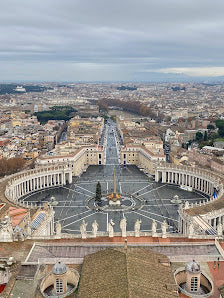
<point>6,235</point>
<point>154,226</point>
<point>123,226</point>
<point>111,228</point>
<point>137,227</point>
<point>94,228</point>
<point>186,205</point>
<point>28,229</point>
<point>83,229</point>
<point>191,230</point>
<point>164,227</point>
<point>58,229</point>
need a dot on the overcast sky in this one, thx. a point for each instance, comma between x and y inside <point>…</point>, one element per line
<point>101,40</point>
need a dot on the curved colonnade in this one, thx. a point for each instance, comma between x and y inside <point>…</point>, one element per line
<point>202,180</point>
<point>29,181</point>
<point>206,215</point>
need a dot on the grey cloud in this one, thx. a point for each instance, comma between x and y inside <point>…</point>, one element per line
<point>126,39</point>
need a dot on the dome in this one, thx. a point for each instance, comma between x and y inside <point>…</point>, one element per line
<point>192,267</point>
<point>59,268</point>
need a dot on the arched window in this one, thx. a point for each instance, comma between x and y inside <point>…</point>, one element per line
<point>59,285</point>
<point>194,284</point>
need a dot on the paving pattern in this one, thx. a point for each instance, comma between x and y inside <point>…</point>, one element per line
<point>72,209</point>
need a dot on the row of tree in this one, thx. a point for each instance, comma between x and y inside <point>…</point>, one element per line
<point>11,165</point>
<point>134,107</point>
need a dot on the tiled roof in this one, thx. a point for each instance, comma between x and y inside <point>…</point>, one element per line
<point>137,272</point>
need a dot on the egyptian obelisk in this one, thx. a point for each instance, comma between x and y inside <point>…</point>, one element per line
<point>115,188</point>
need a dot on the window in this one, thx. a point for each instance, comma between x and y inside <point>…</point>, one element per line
<point>59,285</point>
<point>194,284</point>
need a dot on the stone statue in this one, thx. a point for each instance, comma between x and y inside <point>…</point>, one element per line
<point>83,229</point>
<point>58,229</point>
<point>164,227</point>
<point>94,228</point>
<point>5,233</point>
<point>28,228</point>
<point>219,229</point>
<point>137,227</point>
<point>111,228</point>
<point>154,226</point>
<point>9,223</point>
<point>187,205</point>
<point>19,236</point>
<point>123,225</point>
<point>191,230</point>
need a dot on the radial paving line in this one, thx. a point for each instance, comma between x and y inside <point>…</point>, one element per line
<point>144,216</point>
<point>139,190</point>
<point>161,212</point>
<point>64,204</point>
<point>153,189</point>
<point>166,210</point>
<point>69,202</point>
<point>158,214</point>
<point>78,192</point>
<point>86,190</point>
<point>78,220</point>
<point>78,214</point>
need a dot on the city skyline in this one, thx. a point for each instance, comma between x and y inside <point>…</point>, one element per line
<point>128,41</point>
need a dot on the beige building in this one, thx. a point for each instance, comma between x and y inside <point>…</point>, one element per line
<point>140,156</point>
<point>79,158</point>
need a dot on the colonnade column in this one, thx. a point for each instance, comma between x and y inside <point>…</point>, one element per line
<point>164,177</point>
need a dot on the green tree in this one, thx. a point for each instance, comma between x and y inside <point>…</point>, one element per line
<point>206,136</point>
<point>210,127</point>
<point>98,192</point>
<point>199,136</point>
<point>220,124</point>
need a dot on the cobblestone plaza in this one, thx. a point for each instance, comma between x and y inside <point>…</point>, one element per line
<point>156,197</point>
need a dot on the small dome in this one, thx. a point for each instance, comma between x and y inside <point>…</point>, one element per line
<point>59,268</point>
<point>192,266</point>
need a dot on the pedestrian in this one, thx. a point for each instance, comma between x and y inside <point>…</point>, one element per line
<point>214,265</point>
<point>218,262</point>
